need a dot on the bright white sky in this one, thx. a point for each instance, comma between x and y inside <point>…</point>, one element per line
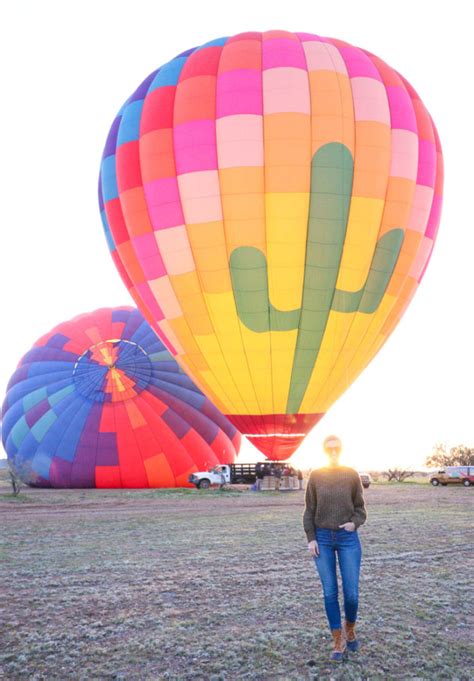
<point>68,67</point>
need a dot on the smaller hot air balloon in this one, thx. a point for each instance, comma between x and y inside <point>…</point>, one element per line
<point>100,402</point>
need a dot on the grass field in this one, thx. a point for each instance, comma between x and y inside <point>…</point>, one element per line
<point>218,585</point>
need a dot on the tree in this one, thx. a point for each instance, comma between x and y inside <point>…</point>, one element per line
<point>15,482</point>
<point>15,473</point>
<point>398,474</point>
<point>456,456</point>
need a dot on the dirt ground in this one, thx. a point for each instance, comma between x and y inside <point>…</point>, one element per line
<point>219,585</point>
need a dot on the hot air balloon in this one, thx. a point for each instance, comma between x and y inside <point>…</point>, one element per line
<point>100,402</point>
<point>271,201</point>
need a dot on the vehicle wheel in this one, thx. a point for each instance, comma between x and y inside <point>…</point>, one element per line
<point>204,484</point>
<point>366,486</point>
<point>467,483</point>
<point>435,482</point>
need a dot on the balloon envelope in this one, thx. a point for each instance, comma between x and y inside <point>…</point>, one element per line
<point>100,402</point>
<point>271,201</point>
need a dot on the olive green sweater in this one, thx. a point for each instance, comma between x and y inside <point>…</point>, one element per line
<point>333,496</point>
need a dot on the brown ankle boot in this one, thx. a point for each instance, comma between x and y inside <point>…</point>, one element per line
<point>339,645</point>
<point>350,635</point>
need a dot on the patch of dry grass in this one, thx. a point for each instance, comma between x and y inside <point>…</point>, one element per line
<point>198,585</point>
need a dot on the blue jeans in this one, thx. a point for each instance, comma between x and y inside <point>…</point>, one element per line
<point>348,549</point>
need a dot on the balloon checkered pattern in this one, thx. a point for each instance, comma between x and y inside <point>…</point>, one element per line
<point>271,200</point>
<point>100,402</point>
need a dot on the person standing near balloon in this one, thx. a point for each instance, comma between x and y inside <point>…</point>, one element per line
<point>334,511</point>
<point>259,473</point>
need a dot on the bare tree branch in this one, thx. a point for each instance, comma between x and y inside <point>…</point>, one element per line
<point>398,474</point>
<point>15,483</point>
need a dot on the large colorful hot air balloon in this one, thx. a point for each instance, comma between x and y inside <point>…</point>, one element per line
<point>100,402</point>
<point>271,201</point>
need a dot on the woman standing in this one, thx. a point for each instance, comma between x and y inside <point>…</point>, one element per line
<point>335,509</point>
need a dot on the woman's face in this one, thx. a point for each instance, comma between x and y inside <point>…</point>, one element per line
<point>333,457</point>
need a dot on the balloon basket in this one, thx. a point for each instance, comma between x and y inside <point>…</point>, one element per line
<point>271,483</point>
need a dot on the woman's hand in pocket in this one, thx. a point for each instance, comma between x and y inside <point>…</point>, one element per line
<point>349,527</point>
<point>313,548</point>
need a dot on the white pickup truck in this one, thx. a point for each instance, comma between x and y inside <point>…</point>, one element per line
<point>224,474</point>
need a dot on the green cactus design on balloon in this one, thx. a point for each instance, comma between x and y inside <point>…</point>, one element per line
<point>332,171</point>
